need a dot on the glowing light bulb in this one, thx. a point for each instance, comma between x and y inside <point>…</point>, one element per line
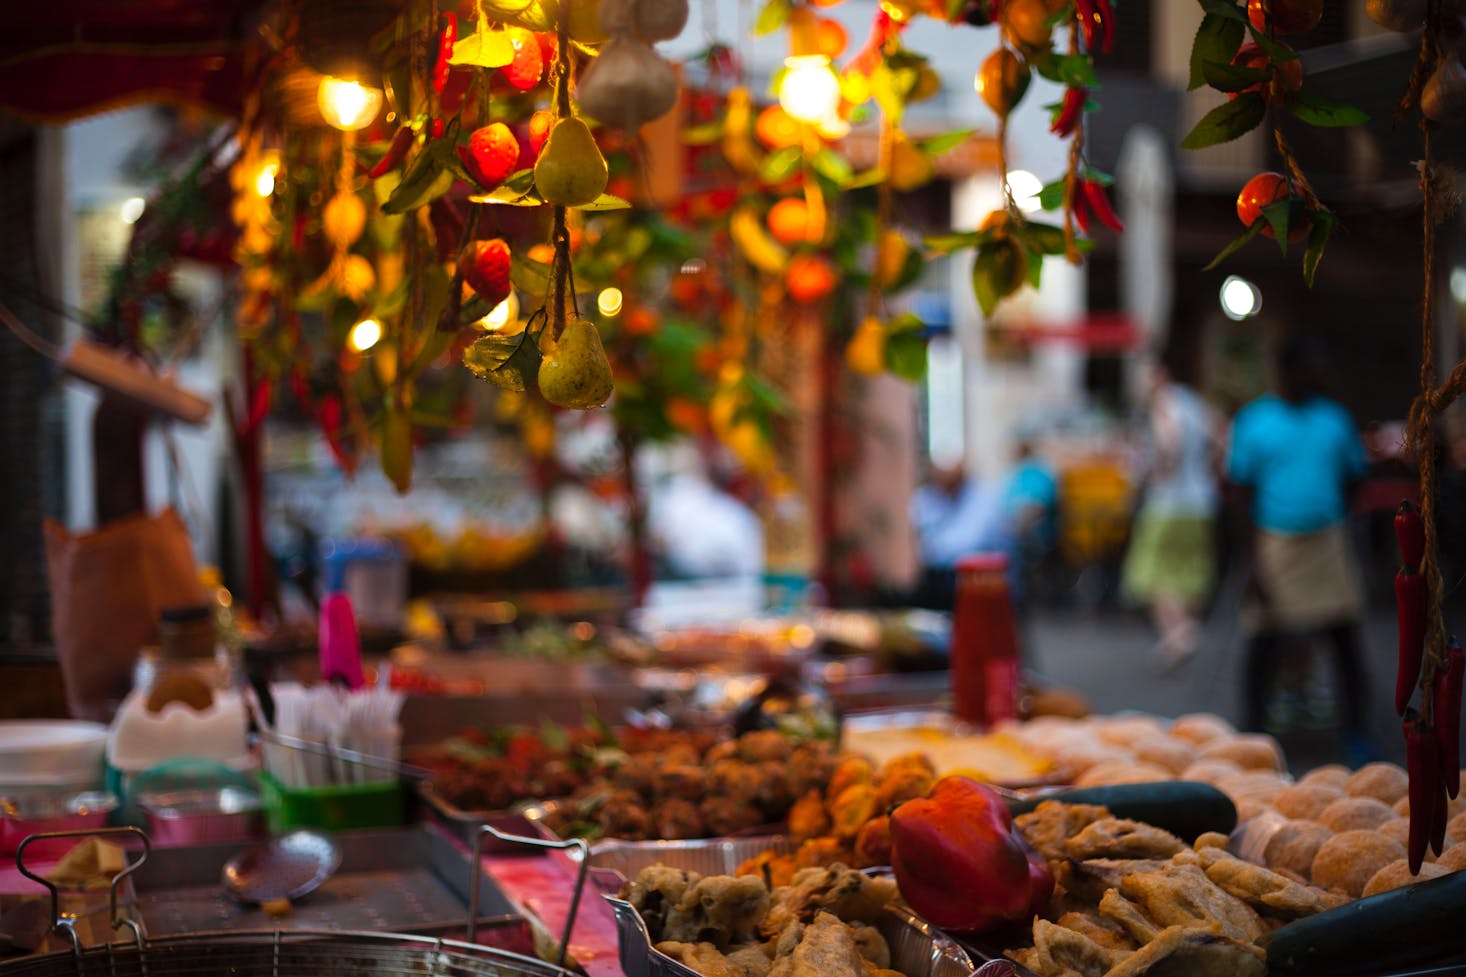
<point>609,301</point>
<point>265,178</point>
<point>132,208</point>
<point>348,105</point>
<point>1240,298</point>
<point>501,315</point>
<point>1025,188</point>
<point>809,90</point>
<point>364,335</point>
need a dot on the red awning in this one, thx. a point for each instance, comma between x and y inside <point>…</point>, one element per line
<point>1098,332</point>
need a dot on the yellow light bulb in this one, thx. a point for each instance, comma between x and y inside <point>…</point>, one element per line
<point>265,178</point>
<point>364,335</point>
<point>348,105</point>
<point>609,301</point>
<point>501,315</point>
<point>809,90</point>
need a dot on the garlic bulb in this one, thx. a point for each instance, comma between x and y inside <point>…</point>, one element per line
<point>645,20</point>
<point>627,85</point>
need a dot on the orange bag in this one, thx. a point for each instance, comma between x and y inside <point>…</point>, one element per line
<point>107,589</point>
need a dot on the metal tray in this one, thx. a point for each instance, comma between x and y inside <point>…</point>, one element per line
<point>521,821</point>
<point>918,949</point>
<point>708,856</point>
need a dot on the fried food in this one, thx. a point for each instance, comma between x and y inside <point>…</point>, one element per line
<point>1328,775</point>
<point>1201,727</point>
<point>1306,801</point>
<point>1101,929</point>
<point>851,895</point>
<point>1088,879</point>
<point>852,807</point>
<point>1212,771</point>
<point>1399,830</point>
<point>1211,839</point>
<point>827,949</point>
<point>1250,751</point>
<point>729,815</point>
<point>1130,917</point>
<point>872,946</point>
<point>901,782</point>
<point>873,844</point>
<point>1355,814</point>
<point>1166,752</point>
<point>719,909</point>
<point>775,870</point>
<point>1346,862</point>
<point>1122,772</point>
<point>1193,951</point>
<point>1122,838</point>
<point>819,852</point>
<point>1182,895</point>
<point>763,745</point>
<point>1049,825</point>
<point>850,771</point>
<point>1453,858</point>
<point>1261,889</point>
<point>1062,949</point>
<point>1294,845</point>
<point>1397,874</point>
<point>656,890</point>
<point>677,818</point>
<point>750,960</point>
<point>704,958</point>
<point>1385,782</point>
<point>807,818</point>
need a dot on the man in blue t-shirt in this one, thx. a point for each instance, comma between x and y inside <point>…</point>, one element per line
<point>1294,458</point>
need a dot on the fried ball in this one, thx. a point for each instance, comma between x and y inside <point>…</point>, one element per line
<point>808,817</point>
<point>1453,858</point>
<point>624,819</point>
<point>763,745</point>
<point>1386,782</point>
<point>676,819</point>
<point>1248,809</point>
<point>726,750</point>
<point>774,793</point>
<point>1397,875</point>
<point>854,806</point>
<point>1399,830</point>
<point>851,770</point>
<point>873,843</point>
<point>735,780</point>
<point>1166,752</point>
<point>1330,774</point>
<point>809,768</point>
<point>1456,827</point>
<point>1346,862</point>
<point>1250,751</point>
<point>1126,731</point>
<point>1201,727</point>
<point>1122,772</point>
<point>1211,771</point>
<point>819,852</point>
<point>638,773</point>
<point>1254,785</point>
<point>728,815</point>
<point>1306,801</point>
<point>1355,813</point>
<point>1294,845</point>
<point>1454,806</point>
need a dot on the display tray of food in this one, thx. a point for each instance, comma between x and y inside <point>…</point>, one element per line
<point>833,921</point>
<point>998,758</point>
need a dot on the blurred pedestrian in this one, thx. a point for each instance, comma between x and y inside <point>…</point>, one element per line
<point>1170,565</point>
<point>954,516</point>
<point>1031,507</point>
<point>1294,460</point>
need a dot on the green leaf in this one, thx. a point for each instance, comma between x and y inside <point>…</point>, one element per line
<point>426,179</point>
<point>1276,214</point>
<point>775,14</point>
<point>508,196</point>
<point>1075,70</point>
<point>529,275</point>
<point>1041,238</point>
<point>486,49</point>
<point>946,142</point>
<point>867,179</point>
<point>1274,50</point>
<point>1035,268</point>
<point>1233,77</point>
<point>905,354</point>
<point>1236,244</point>
<point>1323,226</point>
<point>1318,110</point>
<point>832,166</point>
<point>998,269</point>
<point>473,310</point>
<point>604,202</point>
<point>1051,197</point>
<point>511,362</point>
<point>947,243</point>
<point>1226,122</point>
<point>780,165</point>
<point>1224,8</point>
<point>1217,40</point>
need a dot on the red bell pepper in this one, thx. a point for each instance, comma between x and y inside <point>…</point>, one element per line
<point>959,862</point>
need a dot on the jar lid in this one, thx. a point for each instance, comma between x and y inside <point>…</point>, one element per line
<point>994,561</point>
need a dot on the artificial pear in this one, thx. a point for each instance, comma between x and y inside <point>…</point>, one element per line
<point>571,172</point>
<point>574,371</point>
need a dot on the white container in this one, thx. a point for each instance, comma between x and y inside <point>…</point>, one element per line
<point>140,740</point>
<point>51,754</point>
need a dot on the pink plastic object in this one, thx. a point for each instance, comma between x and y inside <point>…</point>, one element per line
<point>25,816</point>
<point>340,642</point>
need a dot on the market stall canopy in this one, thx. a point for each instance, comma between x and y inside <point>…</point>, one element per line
<point>64,59</point>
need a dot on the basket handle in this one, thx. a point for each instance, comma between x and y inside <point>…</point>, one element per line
<point>67,924</point>
<point>578,844</point>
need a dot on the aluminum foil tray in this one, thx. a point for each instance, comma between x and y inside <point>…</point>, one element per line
<point>918,949</point>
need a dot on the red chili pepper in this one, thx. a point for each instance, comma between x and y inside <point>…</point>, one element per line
<point>1410,534</point>
<point>1070,112</point>
<point>396,150</point>
<point>1423,766</point>
<point>1080,208</point>
<point>1107,24</point>
<point>445,51</point>
<point>1099,204</point>
<point>1448,716</point>
<point>450,30</point>
<point>435,128</point>
<point>1089,22</point>
<point>1410,623</point>
<point>259,404</point>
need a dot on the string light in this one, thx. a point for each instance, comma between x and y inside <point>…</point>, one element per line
<point>348,105</point>
<point>809,90</point>
<point>364,335</point>
<point>265,179</point>
<point>609,301</point>
<point>501,315</point>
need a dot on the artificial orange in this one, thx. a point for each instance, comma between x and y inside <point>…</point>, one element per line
<point>809,278</point>
<point>776,128</point>
<point>789,220</point>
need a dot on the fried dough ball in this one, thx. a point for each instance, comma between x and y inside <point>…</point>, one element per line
<point>675,819</point>
<point>1166,752</point>
<point>1456,827</point>
<point>1305,800</point>
<point>774,794</point>
<point>637,774</point>
<point>1126,731</point>
<point>1346,862</point>
<point>1294,845</point>
<point>808,817</point>
<point>1453,858</point>
<point>1399,830</point>
<point>1122,772</point>
<point>1211,771</point>
<point>809,768</point>
<point>1397,874</point>
<point>1250,751</point>
<point>1248,809</point>
<point>1454,806</point>
<point>1330,774</point>
<point>1386,782</point>
<point>763,745</point>
<point>854,806</point>
<point>734,780</point>
<point>623,817</point>
<point>873,843</point>
<point>1254,785</point>
<point>1354,814</point>
<point>725,750</point>
<point>851,771</point>
<point>1201,727</point>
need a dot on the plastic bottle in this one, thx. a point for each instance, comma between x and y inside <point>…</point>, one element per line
<point>983,655</point>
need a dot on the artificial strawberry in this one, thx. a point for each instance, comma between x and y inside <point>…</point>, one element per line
<point>486,269</point>
<point>491,155</point>
<point>548,46</point>
<point>528,65</point>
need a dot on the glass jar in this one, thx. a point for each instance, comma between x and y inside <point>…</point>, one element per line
<point>983,654</point>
